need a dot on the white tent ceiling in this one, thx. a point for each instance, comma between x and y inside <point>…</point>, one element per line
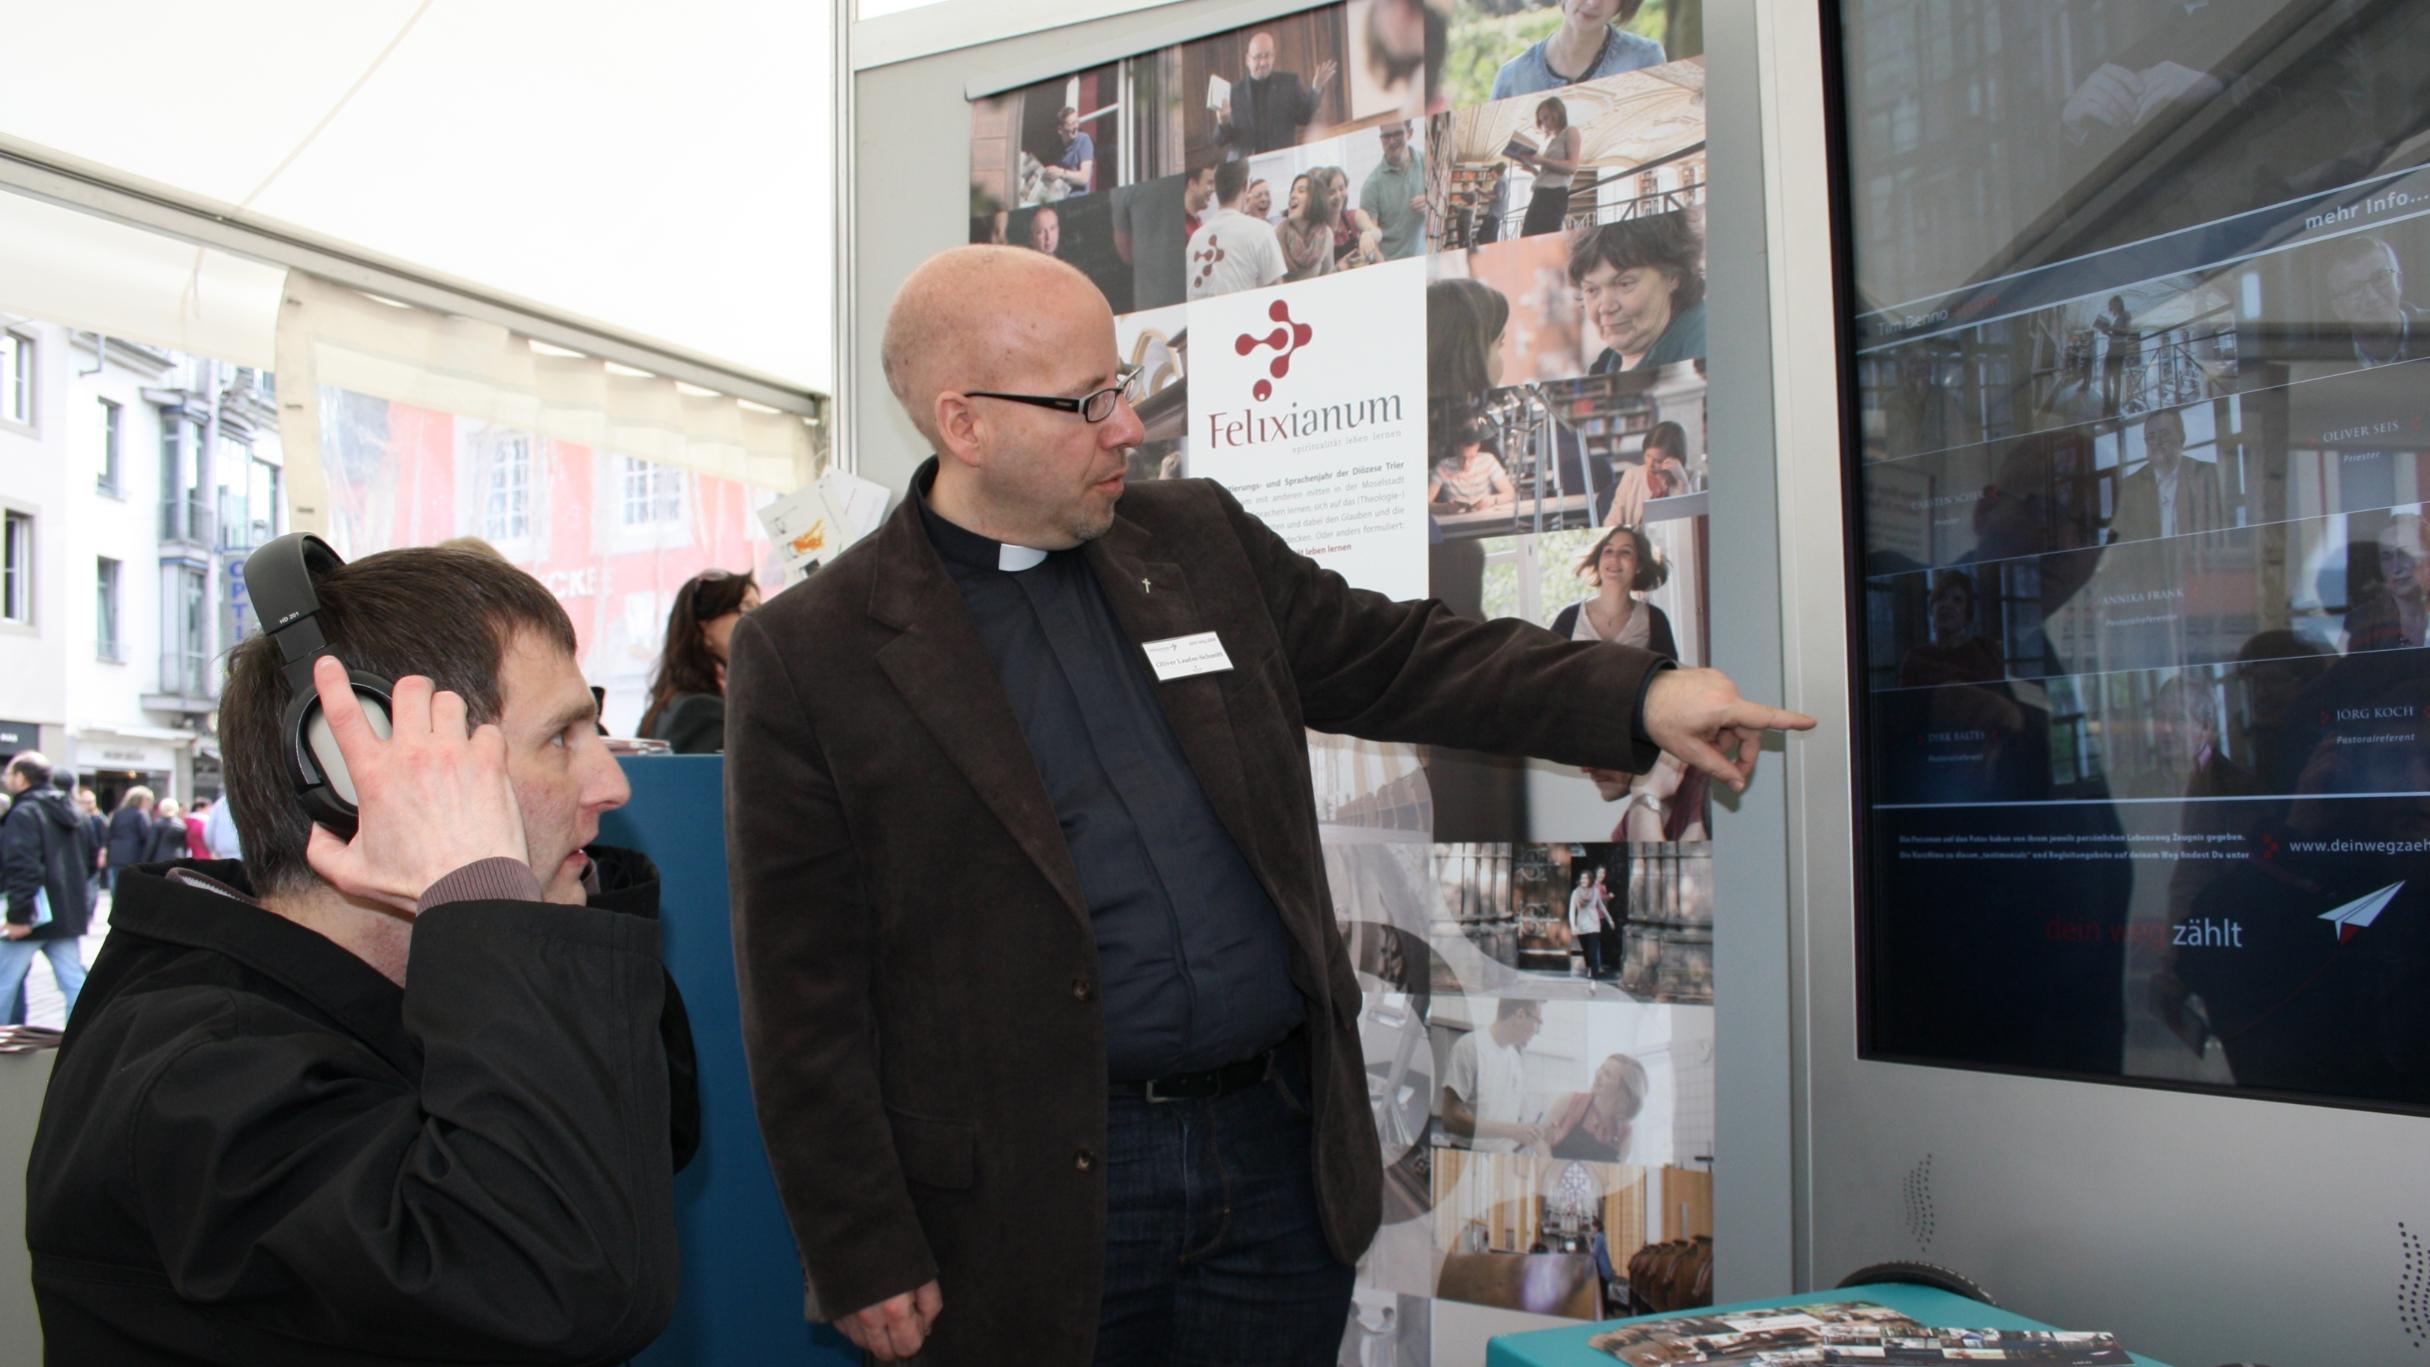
<point>662,170</point>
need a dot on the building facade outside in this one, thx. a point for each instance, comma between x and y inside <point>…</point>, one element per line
<point>137,479</point>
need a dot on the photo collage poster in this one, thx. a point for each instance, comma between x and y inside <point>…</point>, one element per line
<point>1445,262</point>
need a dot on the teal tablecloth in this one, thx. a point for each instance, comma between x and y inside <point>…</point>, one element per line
<point>1923,1304</point>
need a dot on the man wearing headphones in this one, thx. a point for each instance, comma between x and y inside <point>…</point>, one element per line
<point>401,1086</point>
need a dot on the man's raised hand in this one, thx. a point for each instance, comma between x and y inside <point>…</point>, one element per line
<point>432,797</point>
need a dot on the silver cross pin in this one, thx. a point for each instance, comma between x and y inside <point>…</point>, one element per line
<point>1146,587</point>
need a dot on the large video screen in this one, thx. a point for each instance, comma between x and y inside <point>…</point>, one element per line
<point>2136,340</point>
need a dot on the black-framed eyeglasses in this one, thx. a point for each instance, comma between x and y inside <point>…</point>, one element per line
<point>1092,407</point>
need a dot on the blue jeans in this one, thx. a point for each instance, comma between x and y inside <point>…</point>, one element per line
<point>67,965</point>
<point>1214,1254</point>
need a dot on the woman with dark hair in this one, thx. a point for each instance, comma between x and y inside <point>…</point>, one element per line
<point>1468,478</point>
<point>130,836</point>
<point>1306,232</point>
<point>1642,282</point>
<point>1556,167</point>
<point>1464,324</point>
<point>688,689</point>
<point>1589,45</point>
<point>1623,564</point>
<point>1660,471</point>
<point>1357,241</point>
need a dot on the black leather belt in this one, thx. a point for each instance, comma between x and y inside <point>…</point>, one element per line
<point>1204,1084</point>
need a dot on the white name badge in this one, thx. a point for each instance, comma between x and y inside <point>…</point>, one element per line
<point>1180,657</point>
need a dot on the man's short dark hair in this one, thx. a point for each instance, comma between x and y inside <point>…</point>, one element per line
<point>1507,1007</point>
<point>64,779</point>
<point>446,614</point>
<point>31,767</point>
<point>1231,178</point>
<point>1665,241</point>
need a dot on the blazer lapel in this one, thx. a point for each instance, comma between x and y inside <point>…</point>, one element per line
<point>942,669</point>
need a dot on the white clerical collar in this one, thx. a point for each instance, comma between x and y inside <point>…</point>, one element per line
<point>1013,559</point>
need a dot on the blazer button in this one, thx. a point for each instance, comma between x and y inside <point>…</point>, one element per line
<point>1085,1161</point>
<point>1083,990</point>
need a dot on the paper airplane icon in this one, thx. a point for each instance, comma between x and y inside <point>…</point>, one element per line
<point>2362,911</point>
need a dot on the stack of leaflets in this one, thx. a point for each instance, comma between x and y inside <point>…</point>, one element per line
<point>1845,1332</point>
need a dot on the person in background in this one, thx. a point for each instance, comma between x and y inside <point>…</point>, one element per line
<point>195,846</point>
<point>130,839</point>
<point>1555,165</point>
<point>1268,108</point>
<point>1586,918</point>
<point>219,832</point>
<point>1623,564</point>
<point>1394,194</point>
<point>2366,288</point>
<point>96,835</point>
<point>1152,228</point>
<point>1589,45</point>
<point>1955,654</point>
<point>1306,232</point>
<point>1496,206</point>
<point>1407,41</point>
<point>2117,328</point>
<point>1075,163</point>
<point>1642,282</point>
<point>688,687</point>
<point>1356,239</point>
<point>1465,320</point>
<point>168,833</point>
<point>1046,230</point>
<point>1659,472</point>
<point>2170,495</point>
<point>1233,250</point>
<point>1484,1092</point>
<point>1258,203</point>
<point>1596,1125</point>
<point>42,862</point>
<point>1468,478</point>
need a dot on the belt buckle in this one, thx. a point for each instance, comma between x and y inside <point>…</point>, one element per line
<point>1148,1090</point>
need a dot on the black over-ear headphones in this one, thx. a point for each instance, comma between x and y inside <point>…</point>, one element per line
<point>278,578</point>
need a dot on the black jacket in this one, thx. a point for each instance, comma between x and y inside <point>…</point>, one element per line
<point>258,1150</point>
<point>693,723</point>
<point>42,846</point>
<point>167,841</point>
<point>130,837</point>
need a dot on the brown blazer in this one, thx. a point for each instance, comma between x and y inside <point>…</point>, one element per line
<point>2199,506</point>
<point>917,969</point>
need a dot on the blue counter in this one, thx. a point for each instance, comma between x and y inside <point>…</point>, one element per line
<point>742,1280</point>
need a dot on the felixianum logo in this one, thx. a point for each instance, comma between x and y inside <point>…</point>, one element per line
<point>1286,338</point>
<point>2350,920</point>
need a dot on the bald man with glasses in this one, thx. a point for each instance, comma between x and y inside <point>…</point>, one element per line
<point>1052,1034</point>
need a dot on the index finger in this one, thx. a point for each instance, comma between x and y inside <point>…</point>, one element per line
<point>343,711</point>
<point>1761,717</point>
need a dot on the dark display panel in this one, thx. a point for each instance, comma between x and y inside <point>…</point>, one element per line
<point>2139,395</point>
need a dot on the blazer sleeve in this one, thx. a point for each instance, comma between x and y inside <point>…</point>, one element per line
<point>513,1203</point>
<point>1414,672</point>
<point>805,964</point>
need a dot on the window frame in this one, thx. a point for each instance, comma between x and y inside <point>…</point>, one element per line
<point>109,617</point>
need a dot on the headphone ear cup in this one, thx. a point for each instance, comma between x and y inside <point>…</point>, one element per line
<point>317,766</point>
